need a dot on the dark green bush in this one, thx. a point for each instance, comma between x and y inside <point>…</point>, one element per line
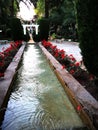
<point>35,36</point>
<point>8,33</point>
<point>17,29</point>
<point>44,29</point>
<point>27,36</point>
<point>87,19</point>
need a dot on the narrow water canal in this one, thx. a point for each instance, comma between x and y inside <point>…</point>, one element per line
<point>38,101</point>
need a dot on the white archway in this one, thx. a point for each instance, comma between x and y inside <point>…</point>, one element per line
<point>30,25</point>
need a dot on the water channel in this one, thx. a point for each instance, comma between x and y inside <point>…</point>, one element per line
<point>38,101</point>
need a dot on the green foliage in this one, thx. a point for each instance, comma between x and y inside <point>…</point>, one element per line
<point>56,16</point>
<point>26,37</point>
<point>55,3</point>
<point>8,33</point>
<point>7,9</point>
<point>36,37</point>
<point>87,19</point>
<point>44,29</point>
<point>61,13</point>
<point>40,10</point>
<point>64,15</point>
<point>17,29</point>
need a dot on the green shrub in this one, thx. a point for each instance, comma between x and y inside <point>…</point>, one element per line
<point>35,36</point>
<point>87,19</point>
<point>44,29</point>
<point>26,37</point>
<point>17,29</point>
<point>8,33</point>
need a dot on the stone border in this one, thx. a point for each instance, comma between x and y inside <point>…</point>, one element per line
<point>7,80</point>
<point>76,92</point>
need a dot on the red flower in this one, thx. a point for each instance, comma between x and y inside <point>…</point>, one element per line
<point>79,108</point>
<point>56,54</point>
<point>71,71</point>
<point>62,51</point>
<point>63,67</point>
<point>53,47</point>
<point>77,64</point>
<point>72,57</point>
<point>62,56</point>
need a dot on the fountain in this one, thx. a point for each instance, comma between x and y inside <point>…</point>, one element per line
<point>38,101</point>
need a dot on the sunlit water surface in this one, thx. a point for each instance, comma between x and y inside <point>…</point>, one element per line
<point>38,101</point>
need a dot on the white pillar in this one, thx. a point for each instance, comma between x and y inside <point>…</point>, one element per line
<point>36,29</point>
<point>24,29</point>
<point>33,25</point>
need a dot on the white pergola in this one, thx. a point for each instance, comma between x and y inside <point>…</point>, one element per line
<point>30,25</point>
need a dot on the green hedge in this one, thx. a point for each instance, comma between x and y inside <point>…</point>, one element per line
<point>27,36</point>
<point>43,29</point>
<point>87,19</point>
<point>36,37</point>
<point>17,29</point>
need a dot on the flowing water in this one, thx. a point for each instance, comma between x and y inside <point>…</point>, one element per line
<point>38,101</point>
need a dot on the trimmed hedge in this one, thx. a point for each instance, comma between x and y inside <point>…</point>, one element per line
<point>44,29</point>
<point>27,36</point>
<point>87,19</point>
<point>17,29</point>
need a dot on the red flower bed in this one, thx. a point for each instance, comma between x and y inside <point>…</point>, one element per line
<point>7,55</point>
<point>69,63</point>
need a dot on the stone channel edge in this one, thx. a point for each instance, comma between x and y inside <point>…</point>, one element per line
<point>8,79</point>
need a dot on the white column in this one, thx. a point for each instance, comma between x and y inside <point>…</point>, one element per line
<point>36,29</point>
<point>33,25</point>
<point>24,29</point>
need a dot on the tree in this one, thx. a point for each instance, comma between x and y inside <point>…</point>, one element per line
<point>64,15</point>
<point>87,20</point>
<point>7,9</point>
<point>40,9</point>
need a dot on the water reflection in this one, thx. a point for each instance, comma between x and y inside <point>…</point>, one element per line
<point>38,101</point>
